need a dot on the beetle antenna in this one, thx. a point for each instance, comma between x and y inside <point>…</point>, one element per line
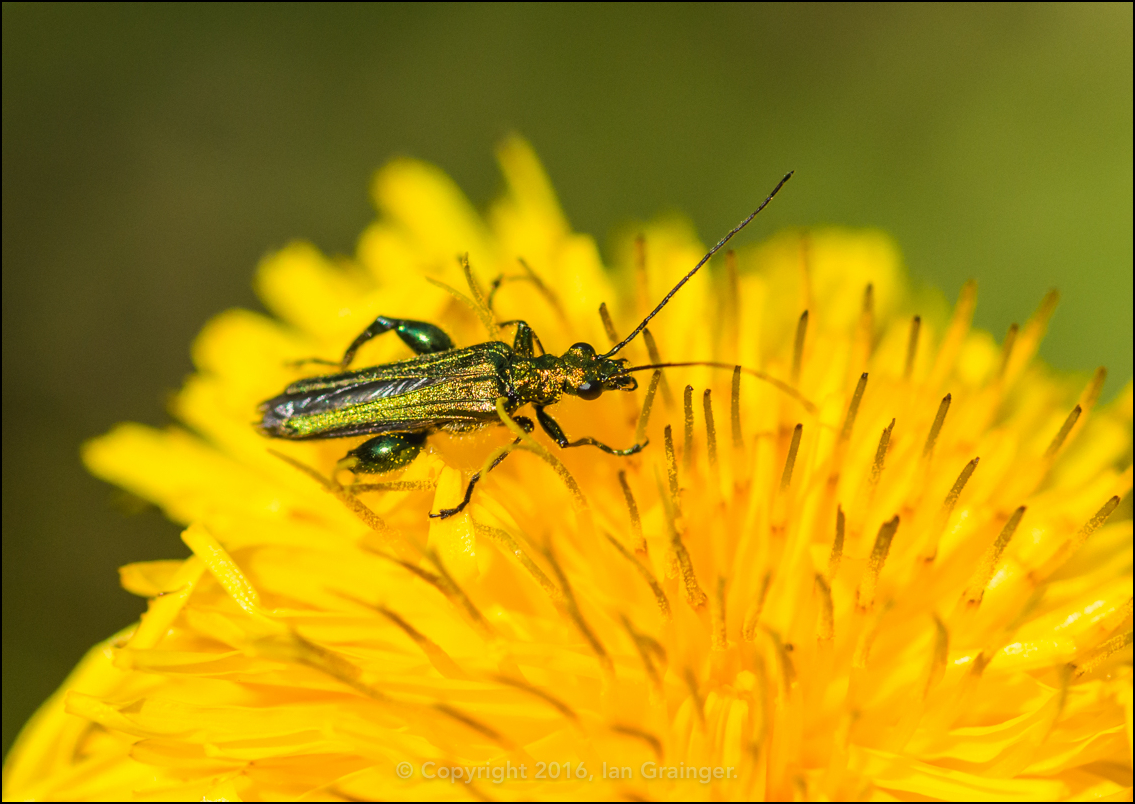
<point>697,267</point>
<point>760,375</point>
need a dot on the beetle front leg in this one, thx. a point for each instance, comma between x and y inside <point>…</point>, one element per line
<point>556,433</point>
<point>446,513</point>
<point>422,337</point>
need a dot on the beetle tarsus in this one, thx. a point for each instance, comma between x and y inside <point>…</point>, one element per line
<point>310,361</point>
<point>446,513</point>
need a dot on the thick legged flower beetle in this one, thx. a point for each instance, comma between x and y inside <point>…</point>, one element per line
<point>454,390</point>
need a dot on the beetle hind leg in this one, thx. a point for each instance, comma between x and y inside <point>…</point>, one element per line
<point>384,453</point>
<point>421,336</point>
<point>424,338</point>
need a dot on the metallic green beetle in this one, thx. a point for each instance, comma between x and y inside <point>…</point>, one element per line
<point>453,390</point>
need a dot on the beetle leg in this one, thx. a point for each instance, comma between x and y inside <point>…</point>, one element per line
<point>522,343</point>
<point>556,433</point>
<point>384,453</point>
<point>311,361</point>
<point>494,286</point>
<point>420,336</point>
<point>446,513</point>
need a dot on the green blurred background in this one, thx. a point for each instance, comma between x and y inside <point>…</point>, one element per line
<point>153,154</point>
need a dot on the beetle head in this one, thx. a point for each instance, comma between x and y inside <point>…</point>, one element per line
<point>589,375</point>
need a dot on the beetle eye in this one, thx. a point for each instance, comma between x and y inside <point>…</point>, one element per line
<point>589,389</point>
<point>584,350</point>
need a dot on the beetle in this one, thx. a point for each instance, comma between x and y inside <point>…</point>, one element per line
<point>455,390</point>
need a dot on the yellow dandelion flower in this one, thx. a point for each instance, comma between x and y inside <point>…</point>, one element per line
<point>887,569</point>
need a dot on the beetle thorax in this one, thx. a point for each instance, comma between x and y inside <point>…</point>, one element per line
<point>537,380</point>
